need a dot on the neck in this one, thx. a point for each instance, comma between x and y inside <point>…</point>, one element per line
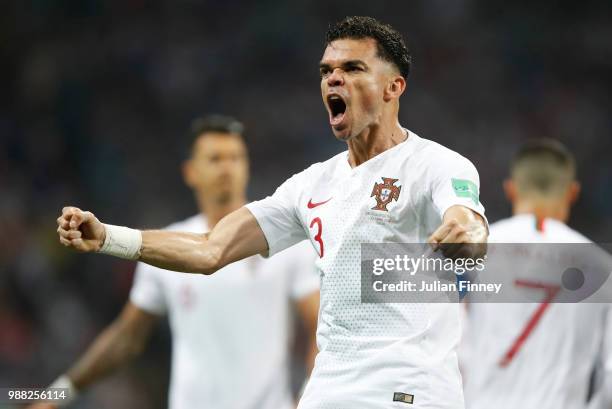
<point>542,209</point>
<point>374,140</point>
<point>215,210</point>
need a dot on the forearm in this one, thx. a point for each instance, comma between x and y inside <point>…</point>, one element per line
<point>185,252</point>
<point>235,237</point>
<point>311,354</point>
<point>112,349</point>
<point>311,349</point>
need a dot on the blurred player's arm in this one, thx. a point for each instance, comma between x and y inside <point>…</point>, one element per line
<point>463,233</point>
<point>235,237</point>
<point>119,343</point>
<point>308,308</point>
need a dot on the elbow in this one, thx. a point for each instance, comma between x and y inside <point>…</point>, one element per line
<point>206,268</point>
<point>211,261</point>
<point>206,271</point>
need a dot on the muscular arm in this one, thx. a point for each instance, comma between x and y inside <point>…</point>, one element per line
<point>235,237</point>
<point>308,309</point>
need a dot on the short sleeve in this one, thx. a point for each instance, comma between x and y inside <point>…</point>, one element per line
<point>305,277</point>
<point>147,291</point>
<point>278,217</point>
<point>455,182</point>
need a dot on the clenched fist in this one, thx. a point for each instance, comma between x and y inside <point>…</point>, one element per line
<point>80,230</point>
<point>463,234</point>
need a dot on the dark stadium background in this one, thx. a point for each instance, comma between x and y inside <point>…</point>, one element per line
<point>96,97</point>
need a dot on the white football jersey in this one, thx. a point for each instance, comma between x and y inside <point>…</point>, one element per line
<point>551,366</point>
<point>369,352</point>
<point>230,330</point>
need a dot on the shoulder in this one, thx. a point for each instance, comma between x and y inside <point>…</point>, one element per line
<point>438,158</point>
<point>510,229</point>
<point>521,229</point>
<point>322,168</point>
<point>503,224</point>
<point>563,233</point>
<point>315,172</point>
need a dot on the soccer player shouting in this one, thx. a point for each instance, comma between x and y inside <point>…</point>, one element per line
<point>390,186</point>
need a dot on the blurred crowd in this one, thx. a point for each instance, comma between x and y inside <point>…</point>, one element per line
<point>96,99</point>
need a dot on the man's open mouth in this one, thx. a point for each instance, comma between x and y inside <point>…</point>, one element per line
<point>337,109</point>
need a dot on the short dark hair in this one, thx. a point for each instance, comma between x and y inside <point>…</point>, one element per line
<point>215,123</point>
<point>210,123</point>
<point>544,165</point>
<point>545,147</point>
<point>389,41</point>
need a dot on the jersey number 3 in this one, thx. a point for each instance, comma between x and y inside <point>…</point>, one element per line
<point>318,238</point>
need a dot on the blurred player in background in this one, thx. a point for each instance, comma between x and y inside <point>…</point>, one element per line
<point>527,355</point>
<point>230,332</point>
<point>391,186</point>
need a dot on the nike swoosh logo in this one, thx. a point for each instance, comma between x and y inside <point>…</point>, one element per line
<point>312,205</point>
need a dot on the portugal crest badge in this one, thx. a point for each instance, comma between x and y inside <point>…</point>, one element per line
<point>385,193</point>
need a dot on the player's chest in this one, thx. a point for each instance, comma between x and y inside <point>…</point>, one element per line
<point>365,206</point>
<point>385,191</point>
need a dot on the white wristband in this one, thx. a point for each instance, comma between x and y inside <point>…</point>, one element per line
<point>122,242</point>
<point>64,382</point>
